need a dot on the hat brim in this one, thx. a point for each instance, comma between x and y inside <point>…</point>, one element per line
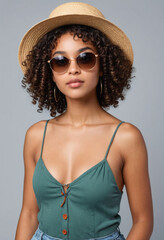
<point>114,33</point>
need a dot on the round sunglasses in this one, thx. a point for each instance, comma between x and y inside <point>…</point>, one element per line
<point>60,64</point>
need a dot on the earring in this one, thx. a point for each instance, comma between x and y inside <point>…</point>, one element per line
<point>57,100</point>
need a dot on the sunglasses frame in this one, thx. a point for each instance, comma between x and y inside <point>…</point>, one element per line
<point>71,59</point>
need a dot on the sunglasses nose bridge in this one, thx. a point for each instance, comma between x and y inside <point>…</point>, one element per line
<point>76,63</point>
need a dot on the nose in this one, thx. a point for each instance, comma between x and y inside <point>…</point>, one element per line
<point>73,66</point>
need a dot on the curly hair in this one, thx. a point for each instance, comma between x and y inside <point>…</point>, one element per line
<point>116,68</point>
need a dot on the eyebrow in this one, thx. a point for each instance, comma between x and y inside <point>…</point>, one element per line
<point>80,50</point>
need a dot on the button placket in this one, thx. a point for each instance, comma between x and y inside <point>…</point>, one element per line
<point>64,207</point>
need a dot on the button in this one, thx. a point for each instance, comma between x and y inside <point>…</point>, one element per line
<point>65,216</point>
<point>64,231</point>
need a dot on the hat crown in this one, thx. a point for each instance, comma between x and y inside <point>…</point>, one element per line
<point>76,8</point>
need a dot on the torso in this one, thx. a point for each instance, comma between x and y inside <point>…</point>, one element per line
<point>68,152</point>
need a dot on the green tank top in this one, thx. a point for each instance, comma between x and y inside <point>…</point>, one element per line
<point>86,208</point>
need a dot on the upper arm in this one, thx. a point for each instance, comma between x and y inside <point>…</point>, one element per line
<point>30,144</point>
<point>136,175</point>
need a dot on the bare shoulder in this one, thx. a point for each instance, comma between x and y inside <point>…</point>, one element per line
<point>131,141</point>
<point>35,129</point>
<point>130,132</point>
<point>33,136</point>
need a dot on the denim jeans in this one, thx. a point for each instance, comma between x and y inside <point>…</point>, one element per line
<point>116,235</point>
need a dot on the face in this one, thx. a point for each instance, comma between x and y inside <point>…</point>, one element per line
<point>90,77</point>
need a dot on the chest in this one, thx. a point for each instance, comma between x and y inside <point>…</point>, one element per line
<point>69,154</point>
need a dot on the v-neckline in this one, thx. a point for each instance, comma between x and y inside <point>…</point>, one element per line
<point>76,179</point>
<point>103,161</point>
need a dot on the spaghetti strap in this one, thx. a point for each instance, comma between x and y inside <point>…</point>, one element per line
<point>113,138</point>
<point>43,137</point>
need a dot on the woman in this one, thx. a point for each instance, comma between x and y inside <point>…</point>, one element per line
<point>77,63</point>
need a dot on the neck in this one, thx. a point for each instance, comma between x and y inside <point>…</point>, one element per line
<point>81,112</point>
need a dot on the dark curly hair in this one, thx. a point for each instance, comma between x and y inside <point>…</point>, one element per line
<point>117,69</point>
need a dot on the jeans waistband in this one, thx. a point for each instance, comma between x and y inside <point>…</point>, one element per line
<point>39,234</point>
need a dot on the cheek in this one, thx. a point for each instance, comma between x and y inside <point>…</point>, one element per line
<point>93,76</point>
<point>57,80</point>
<point>91,80</point>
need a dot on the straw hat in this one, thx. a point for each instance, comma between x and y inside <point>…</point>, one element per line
<point>74,13</point>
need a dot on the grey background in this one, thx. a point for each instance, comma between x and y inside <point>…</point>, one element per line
<point>142,21</point>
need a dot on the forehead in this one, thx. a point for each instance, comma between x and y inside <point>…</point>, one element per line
<point>66,43</point>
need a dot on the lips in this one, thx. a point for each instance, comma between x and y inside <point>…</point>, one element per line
<point>74,81</point>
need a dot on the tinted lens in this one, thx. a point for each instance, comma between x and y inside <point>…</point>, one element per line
<point>86,60</point>
<point>59,63</point>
